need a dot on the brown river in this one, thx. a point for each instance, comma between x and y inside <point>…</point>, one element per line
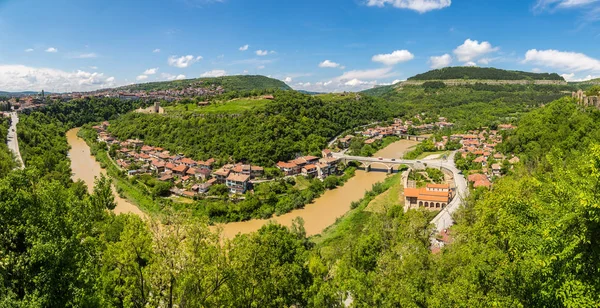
<point>317,216</point>
<point>85,167</point>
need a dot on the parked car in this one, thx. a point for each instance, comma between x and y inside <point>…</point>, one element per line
<point>380,158</point>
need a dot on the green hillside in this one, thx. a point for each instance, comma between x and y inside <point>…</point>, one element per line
<point>471,105</point>
<point>229,83</point>
<point>483,73</point>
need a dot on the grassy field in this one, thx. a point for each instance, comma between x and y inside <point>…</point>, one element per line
<point>390,198</point>
<point>229,107</point>
<point>302,183</point>
<point>337,237</point>
<point>425,154</point>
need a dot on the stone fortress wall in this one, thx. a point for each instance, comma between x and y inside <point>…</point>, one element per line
<point>462,82</point>
<point>585,100</point>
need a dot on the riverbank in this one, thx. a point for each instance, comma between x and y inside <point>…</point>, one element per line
<point>85,167</point>
<point>332,205</point>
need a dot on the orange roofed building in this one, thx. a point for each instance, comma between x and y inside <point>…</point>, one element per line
<point>433,196</point>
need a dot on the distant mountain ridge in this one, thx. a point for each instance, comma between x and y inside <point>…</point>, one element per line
<point>482,73</point>
<point>228,83</point>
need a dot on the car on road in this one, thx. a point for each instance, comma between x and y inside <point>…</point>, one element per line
<point>393,159</point>
<point>380,158</point>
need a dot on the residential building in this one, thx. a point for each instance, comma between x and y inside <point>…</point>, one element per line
<point>238,183</point>
<point>433,196</point>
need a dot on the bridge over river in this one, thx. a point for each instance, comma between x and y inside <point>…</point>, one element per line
<point>444,219</point>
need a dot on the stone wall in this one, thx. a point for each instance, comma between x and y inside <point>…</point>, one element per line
<point>585,100</point>
<point>462,82</point>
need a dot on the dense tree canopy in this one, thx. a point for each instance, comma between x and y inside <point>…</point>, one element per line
<point>486,73</point>
<point>293,123</point>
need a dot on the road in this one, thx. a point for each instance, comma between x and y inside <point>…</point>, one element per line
<point>444,219</point>
<point>12,140</point>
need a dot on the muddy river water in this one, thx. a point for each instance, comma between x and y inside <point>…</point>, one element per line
<point>85,167</point>
<point>317,216</point>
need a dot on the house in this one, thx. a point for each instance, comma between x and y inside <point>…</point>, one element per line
<point>166,177</point>
<point>480,160</point>
<point>345,142</point>
<point>157,165</point>
<point>326,153</point>
<point>238,183</point>
<point>256,171</point>
<point>221,175</point>
<point>202,174</point>
<point>305,160</point>
<point>180,170</point>
<point>514,160</point>
<point>496,169</point>
<point>309,170</point>
<point>432,197</point>
<point>288,168</point>
<point>188,162</point>
<point>269,97</point>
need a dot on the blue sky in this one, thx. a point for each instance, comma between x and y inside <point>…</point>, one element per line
<point>320,45</point>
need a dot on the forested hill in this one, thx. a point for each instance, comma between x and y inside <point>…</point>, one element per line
<point>483,73</point>
<point>229,83</point>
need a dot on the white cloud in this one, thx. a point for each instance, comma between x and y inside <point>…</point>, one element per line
<point>141,77</point>
<point>394,57</point>
<point>263,53</point>
<point>288,79</point>
<point>436,62</point>
<point>157,50</point>
<point>260,67</point>
<point>29,50</point>
<point>356,82</point>
<point>564,60</point>
<point>183,61</point>
<point>564,4</point>
<point>330,64</point>
<point>470,50</point>
<point>536,70</point>
<point>90,55</point>
<point>470,63</point>
<point>571,77</point>
<point>214,73</point>
<point>484,61</point>
<point>51,49</point>
<point>151,71</point>
<point>94,67</point>
<point>21,78</point>
<point>168,76</point>
<point>421,6</point>
<point>245,72</point>
<point>374,74</point>
<point>244,48</point>
<point>396,81</point>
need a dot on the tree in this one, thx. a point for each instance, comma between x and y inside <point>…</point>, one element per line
<point>103,197</point>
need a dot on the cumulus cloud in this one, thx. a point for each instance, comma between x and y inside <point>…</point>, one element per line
<point>29,50</point>
<point>141,77</point>
<point>394,57</point>
<point>288,79</point>
<point>330,64</point>
<point>168,76</point>
<point>471,50</point>
<point>183,61</point>
<point>436,62</point>
<point>214,73</point>
<point>470,63</point>
<point>157,50</point>
<point>244,48</point>
<point>572,77</point>
<point>421,6</point>
<point>263,53</point>
<point>563,60</point>
<point>21,78</point>
<point>151,71</point>
<point>51,49</point>
<point>373,74</point>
